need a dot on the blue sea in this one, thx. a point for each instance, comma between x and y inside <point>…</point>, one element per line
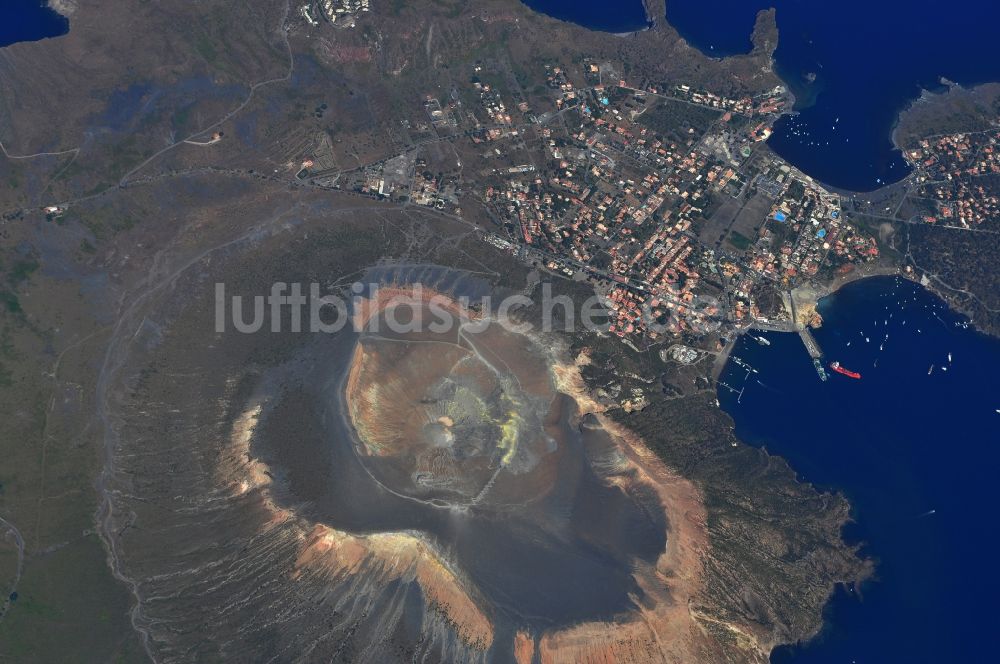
<point>29,20</point>
<point>853,65</point>
<point>916,451</point>
<point>627,16</point>
<point>915,443</point>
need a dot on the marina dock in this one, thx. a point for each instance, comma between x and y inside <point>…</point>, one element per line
<point>815,352</point>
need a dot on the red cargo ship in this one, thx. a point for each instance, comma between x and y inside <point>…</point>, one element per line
<point>844,372</point>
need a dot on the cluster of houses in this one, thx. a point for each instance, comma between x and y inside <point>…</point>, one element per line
<point>806,231</point>
<point>951,172</point>
<point>622,203</point>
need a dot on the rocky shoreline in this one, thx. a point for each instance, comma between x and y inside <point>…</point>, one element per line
<point>65,7</point>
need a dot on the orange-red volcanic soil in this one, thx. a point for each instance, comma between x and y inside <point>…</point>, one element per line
<point>389,376</point>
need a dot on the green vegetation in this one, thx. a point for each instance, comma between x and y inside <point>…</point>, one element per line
<point>104,223</point>
<point>205,47</point>
<point>740,241</point>
<point>71,171</point>
<point>10,302</point>
<point>21,271</point>
<point>180,118</point>
<point>69,593</point>
<point>677,121</point>
<point>964,266</point>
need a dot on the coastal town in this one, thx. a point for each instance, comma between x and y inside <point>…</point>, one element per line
<point>498,331</point>
<point>951,178</point>
<point>665,199</point>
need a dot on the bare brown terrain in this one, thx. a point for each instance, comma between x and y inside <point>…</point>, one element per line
<point>182,494</point>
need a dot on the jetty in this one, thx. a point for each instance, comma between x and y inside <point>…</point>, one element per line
<point>815,352</point>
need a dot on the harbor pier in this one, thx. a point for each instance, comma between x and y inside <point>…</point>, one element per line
<point>815,352</point>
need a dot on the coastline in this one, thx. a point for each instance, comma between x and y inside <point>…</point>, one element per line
<point>722,357</point>
<point>810,295</point>
<point>955,109</point>
<point>64,7</point>
<point>771,551</point>
<point>967,100</point>
<point>865,446</point>
<point>926,98</point>
<point>558,14</point>
<point>934,287</point>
